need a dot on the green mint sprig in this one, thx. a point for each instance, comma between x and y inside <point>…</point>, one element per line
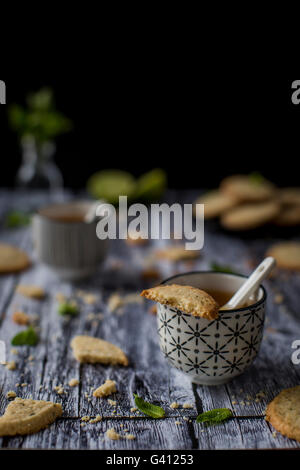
<point>148,409</point>
<point>219,415</point>
<point>27,337</point>
<point>221,268</point>
<point>68,308</point>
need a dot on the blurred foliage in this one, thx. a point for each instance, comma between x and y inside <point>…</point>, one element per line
<point>110,184</point>
<point>256,177</point>
<point>39,119</point>
<point>16,218</point>
<point>219,268</point>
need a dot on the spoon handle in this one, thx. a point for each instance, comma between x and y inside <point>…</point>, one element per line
<point>251,284</point>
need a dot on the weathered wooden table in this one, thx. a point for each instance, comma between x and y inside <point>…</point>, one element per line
<point>134,330</point>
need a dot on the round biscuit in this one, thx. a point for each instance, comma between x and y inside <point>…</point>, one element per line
<point>287,255</point>
<point>289,195</point>
<point>283,412</point>
<point>245,189</point>
<point>250,216</point>
<point>12,259</point>
<point>289,216</point>
<point>215,203</point>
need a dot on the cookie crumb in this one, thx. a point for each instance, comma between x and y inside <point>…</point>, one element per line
<point>85,418</point>
<point>20,318</point>
<point>95,420</point>
<point>31,291</point>
<point>11,365</point>
<point>112,434</point>
<point>133,409</point>
<point>187,406</point>
<point>129,436</point>
<point>174,405</point>
<point>106,389</point>
<point>112,402</point>
<point>59,389</point>
<point>73,382</point>
<point>11,394</point>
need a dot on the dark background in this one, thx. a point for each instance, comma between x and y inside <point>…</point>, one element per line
<point>137,118</point>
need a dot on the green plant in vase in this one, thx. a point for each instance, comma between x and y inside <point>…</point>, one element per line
<point>37,126</point>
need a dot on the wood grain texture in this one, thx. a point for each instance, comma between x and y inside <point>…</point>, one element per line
<point>134,330</point>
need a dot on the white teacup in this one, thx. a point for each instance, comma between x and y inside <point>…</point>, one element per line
<point>65,242</point>
<point>212,352</point>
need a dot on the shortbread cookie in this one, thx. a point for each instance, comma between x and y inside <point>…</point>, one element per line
<point>176,253</point>
<point>283,412</point>
<point>31,291</point>
<point>20,318</point>
<point>24,416</point>
<point>250,216</point>
<point>289,216</point>
<point>215,203</point>
<point>106,389</point>
<point>287,255</point>
<point>12,259</point>
<point>289,195</point>
<point>93,350</point>
<point>185,298</point>
<point>244,188</point>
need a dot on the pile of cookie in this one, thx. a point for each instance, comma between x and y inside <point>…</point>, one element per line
<point>245,202</point>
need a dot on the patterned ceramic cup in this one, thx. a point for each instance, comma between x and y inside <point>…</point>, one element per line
<point>211,352</point>
<point>67,244</point>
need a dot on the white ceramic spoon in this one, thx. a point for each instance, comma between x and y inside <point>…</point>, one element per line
<point>251,285</point>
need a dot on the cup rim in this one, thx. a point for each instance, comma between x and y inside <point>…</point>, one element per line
<point>39,212</point>
<point>242,309</point>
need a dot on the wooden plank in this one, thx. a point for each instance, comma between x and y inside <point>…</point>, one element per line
<point>148,373</point>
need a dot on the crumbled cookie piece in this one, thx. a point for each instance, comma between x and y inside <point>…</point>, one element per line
<point>85,418</point>
<point>150,274</point>
<point>11,365</point>
<point>96,419</point>
<point>59,389</point>
<point>136,240</point>
<point>93,350</point>
<point>187,406</point>
<point>106,389</point>
<point>73,382</point>
<point>112,402</point>
<point>130,437</point>
<point>112,434</point>
<point>20,318</point>
<point>185,298</point>
<point>11,394</point>
<point>31,291</point>
<point>60,297</point>
<point>26,416</point>
<point>174,405</point>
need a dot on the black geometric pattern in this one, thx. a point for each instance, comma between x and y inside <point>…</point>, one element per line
<point>223,348</point>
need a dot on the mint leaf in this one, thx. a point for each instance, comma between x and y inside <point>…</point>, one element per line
<point>221,268</point>
<point>27,337</point>
<point>15,218</point>
<point>148,409</point>
<point>214,416</point>
<point>68,308</point>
